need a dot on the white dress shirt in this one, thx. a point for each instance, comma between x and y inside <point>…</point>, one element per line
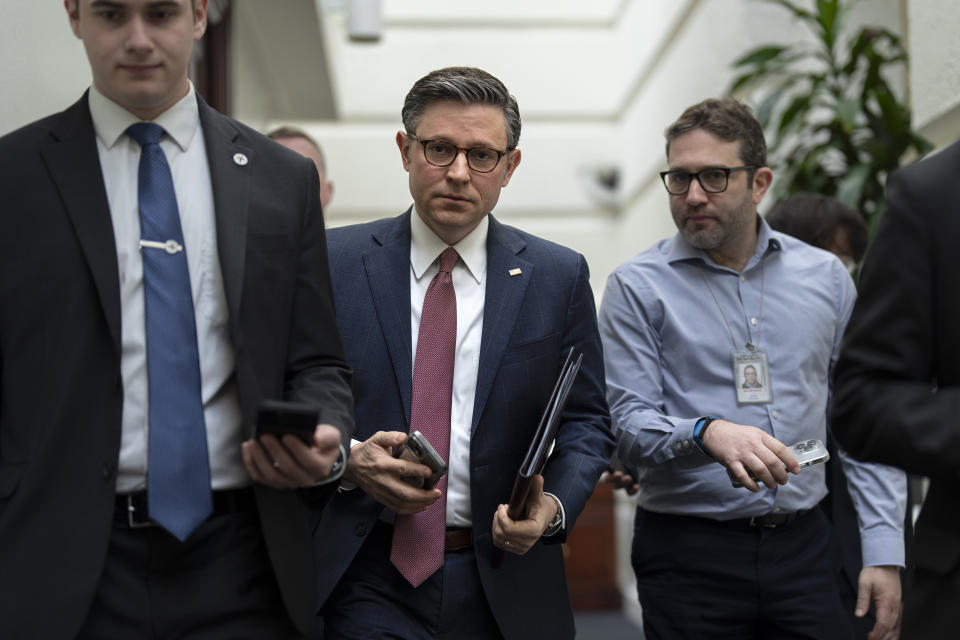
<point>186,154</point>
<point>469,282</point>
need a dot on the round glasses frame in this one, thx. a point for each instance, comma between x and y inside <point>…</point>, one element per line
<point>468,152</point>
<point>666,176</point>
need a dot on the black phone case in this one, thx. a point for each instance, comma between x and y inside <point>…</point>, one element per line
<point>279,418</point>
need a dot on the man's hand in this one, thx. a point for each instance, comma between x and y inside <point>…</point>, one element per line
<point>288,463</point>
<point>740,447</point>
<point>882,586</point>
<point>373,468</point>
<point>621,480</point>
<point>518,536</point>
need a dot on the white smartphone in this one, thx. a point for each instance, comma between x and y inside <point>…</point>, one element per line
<point>807,453</point>
<point>810,452</point>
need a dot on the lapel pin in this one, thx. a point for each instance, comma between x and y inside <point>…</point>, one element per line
<point>515,272</point>
<point>240,159</point>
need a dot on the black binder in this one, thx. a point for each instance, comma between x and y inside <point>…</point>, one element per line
<point>541,444</point>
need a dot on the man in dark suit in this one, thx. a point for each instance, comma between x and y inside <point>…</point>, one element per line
<point>91,545</point>
<point>520,304</point>
<point>898,377</point>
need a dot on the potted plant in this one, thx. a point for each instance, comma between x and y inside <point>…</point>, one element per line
<point>833,124</point>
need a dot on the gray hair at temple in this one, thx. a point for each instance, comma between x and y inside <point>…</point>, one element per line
<point>728,119</point>
<point>468,85</point>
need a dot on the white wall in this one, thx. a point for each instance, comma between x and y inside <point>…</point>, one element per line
<point>934,45</point>
<point>43,67</point>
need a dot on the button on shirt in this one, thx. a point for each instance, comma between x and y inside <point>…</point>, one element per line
<point>668,357</point>
<point>119,156</point>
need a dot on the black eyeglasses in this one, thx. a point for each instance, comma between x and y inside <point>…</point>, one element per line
<point>441,153</point>
<point>712,180</point>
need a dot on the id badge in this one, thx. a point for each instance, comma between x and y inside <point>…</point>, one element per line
<point>752,377</point>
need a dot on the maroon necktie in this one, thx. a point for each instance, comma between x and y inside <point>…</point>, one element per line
<point>418,539</point>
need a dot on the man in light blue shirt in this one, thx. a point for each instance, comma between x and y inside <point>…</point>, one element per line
<point>683,323</point>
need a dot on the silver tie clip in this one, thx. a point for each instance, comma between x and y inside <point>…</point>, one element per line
<point>170,246</point>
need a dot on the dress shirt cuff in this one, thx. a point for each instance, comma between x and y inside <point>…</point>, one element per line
<point>346,485</point>
<point>682,443</point>
<point>336,471</point>
<point>882,546</point>
<point>563,517</point>
<point>699,427</point>
<point>647,440</point>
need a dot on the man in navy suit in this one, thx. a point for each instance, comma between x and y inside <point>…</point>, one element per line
<point>521,304</point>
<point>83,552</point>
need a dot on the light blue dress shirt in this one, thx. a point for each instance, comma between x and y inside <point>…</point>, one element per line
<point>669,361</point>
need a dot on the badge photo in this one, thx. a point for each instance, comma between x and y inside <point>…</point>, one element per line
<point>751,378</point>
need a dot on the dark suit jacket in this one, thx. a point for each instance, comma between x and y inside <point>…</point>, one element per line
<point>60,386</point>
<point>898,377</point>
<point>529,322</point>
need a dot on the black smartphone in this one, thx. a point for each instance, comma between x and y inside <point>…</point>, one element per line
<point>417,448</point>
<point>280,418</point>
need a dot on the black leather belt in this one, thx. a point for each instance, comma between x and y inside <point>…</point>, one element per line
<point>768,520</point>
<point>131,508</point>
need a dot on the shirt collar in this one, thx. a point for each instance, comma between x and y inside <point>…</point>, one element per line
<point>426,247</point>
<point>678,249</point>
<point>110,120</point>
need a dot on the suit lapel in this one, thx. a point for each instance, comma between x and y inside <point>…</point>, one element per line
<point>74,164</point>
<point>387,268</point>
<point>230,164</point>
<point>501,307</point>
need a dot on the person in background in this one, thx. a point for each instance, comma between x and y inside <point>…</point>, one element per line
<point>301,142</point>
<point>678,322</point>
<point>824,222</point>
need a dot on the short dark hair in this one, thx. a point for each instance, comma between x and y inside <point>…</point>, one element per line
<point>294,132</point>
<point>728,119</point>
<point>815,218</point>
<point>468,85</point>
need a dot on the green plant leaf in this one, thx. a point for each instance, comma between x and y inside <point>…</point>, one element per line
<point>797,107</point>
<point>759,56</point>
<point>828,13</point>
<point>851,186</point>
<point>847,111</point>
<point>833,124</point>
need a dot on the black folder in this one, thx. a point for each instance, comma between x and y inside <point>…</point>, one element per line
<point>541,444</point>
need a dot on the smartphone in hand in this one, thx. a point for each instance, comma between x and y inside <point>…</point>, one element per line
<point>807,453</point>
<point>280,418</point>
<point>417,448</point>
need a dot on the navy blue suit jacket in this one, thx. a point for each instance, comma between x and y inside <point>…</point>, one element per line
<point>529,322</point>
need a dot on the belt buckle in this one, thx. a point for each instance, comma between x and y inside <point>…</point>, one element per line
<point>132,522</point>
<point>759,521</point>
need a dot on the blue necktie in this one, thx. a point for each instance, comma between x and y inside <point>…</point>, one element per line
<point>178,471</point>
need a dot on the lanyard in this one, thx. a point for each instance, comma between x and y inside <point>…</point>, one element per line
<point>750,345</point>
